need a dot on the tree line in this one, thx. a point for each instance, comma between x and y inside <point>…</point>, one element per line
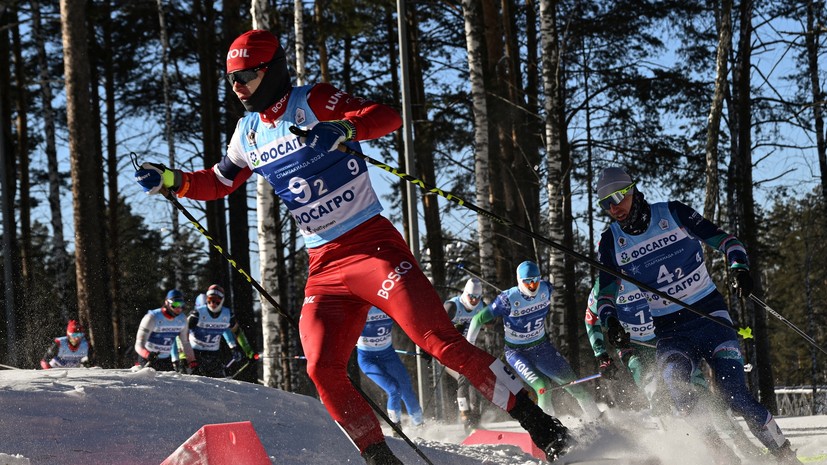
<point>515,106</point>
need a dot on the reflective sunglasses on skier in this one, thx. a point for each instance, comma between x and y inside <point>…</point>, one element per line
<point>615,197</point>
<point>531,283</point>
<point>245,75</point>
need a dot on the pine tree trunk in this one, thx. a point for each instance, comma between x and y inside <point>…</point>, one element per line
<point>747,234</point>
<point>815,26</point>
<point>11,258</point>
<point>216,216</point>
<point>120,340</point>
<point>425,148</point>
<point>60,258</point>
<point>25,314</point>
<point>87,193</point>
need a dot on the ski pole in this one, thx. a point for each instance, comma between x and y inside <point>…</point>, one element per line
<point>505,222</point>
<point>437,382</point>
<point>644,344</point>
<point>461,266</point>
<point>171,197</point>
<point>577,381</point>
<point>406,352</point>
<point>787,322</point>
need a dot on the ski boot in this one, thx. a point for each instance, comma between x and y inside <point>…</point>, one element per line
<point>546,431</point>
<point>786,455</point>
<point>470,420</point>
<point>380,454</point>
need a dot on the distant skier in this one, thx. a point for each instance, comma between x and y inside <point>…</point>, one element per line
<point>69,351</point>
<point>208,324</point>
<point>660,245</point>
<point>380,362</point>
<point>157,331</point>
<point>461,309</point>
<point>528,350</point>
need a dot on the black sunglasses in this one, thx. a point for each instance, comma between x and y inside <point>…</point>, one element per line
<point>245,75</point>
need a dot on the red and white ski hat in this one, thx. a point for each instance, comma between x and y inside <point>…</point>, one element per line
<point>251,49</point>
<point>74,326</point>
<point>215,290</point>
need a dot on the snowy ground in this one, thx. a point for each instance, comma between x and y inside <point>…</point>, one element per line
<point>126,417</point>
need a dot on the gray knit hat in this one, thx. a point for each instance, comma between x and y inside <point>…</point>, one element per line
<point>612,180</point>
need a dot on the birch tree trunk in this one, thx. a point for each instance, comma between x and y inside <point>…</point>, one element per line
<point>715,112</point>
<point>90,259</point>
<point>267,246</point>
<point>474,44</point>
<point>238,209</point>
<point>553,132</point>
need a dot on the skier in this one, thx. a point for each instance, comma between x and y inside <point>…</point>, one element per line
<point>177,355</point>
<point>528,350</point>
<point>157,331</point>
<point>380,362</point>
<point>69,351</point>
<point>633,314</point>
<point>208,324</point>
<point>639,358</point>
<point>461,309</point>
<point>659,244</point>
<point>357,258</point>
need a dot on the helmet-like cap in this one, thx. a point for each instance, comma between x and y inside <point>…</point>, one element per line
<point>215,290</point>
<point>251,49</point>
<point>74,326</point>
<point>612,180</point>
<point>175,294</point>
<point>528,278</point>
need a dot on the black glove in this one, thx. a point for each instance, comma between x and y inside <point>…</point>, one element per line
<point>426,357</point>
<point>460,327</point>
<point>741,280</point>
<point>238,355</point>
<point>616,334</point>
<point>606,366</point>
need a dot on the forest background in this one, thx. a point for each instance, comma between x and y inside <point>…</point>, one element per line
<point>514,106</point>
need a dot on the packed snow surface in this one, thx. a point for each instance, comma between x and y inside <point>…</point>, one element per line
<point>139,417</point>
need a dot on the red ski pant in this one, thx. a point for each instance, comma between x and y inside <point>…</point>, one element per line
<point>372,265</point>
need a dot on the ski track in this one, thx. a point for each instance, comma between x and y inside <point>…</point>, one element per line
<point>139,417</point>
